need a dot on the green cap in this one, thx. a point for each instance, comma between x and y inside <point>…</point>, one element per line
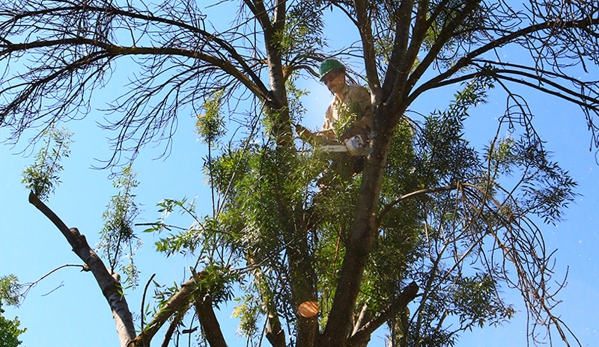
<point>329,65</point>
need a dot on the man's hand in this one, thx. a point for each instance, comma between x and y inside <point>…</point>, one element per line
<point>303,132</point>
<point>318,138</point>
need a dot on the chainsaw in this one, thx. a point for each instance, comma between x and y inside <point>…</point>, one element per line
<point>356,145</point>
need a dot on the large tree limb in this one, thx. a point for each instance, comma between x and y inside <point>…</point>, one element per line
<point>208,320</point>
<point>397,73</point>
<point>110,287</point>
<point>364,24</point>
<point>402,300</point>
<point>499,42</point>
<point>180,301</point>
<point>358,247</point>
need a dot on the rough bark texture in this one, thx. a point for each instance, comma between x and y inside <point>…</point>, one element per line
<point>362,234</point>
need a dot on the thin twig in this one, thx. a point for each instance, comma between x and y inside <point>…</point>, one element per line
<point>143,300</point>
<point>34,283</point>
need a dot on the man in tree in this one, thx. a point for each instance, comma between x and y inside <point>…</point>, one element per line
<point>456,219</point>
<point>347,119</point>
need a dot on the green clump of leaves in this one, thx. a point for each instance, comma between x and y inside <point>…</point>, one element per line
<point>9,290</point>
<point>187,239</point>
<point>211,128</point>
<point>118,239</point>
<point>217,280</point>
<point>9,329</point>
<point>42,177</point>
<point>445,155</point>
<point>248,310</point>
<point>210,125</point>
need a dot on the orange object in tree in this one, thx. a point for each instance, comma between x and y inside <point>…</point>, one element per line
<point>308,309</point>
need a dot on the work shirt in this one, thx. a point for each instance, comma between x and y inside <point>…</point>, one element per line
<point>354,106</point>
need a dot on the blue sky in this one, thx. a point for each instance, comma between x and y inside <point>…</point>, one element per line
<point>67,308</point>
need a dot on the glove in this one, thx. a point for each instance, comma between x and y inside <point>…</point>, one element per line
<point>314,138</point>
<point>302,131</point>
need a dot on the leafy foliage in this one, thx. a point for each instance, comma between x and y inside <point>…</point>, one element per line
<point>9,329</point>
<point>210,125</point>
<point>425,238</point>
<point>42,176</point>
<point>9,290</point>
<point>118,238</point>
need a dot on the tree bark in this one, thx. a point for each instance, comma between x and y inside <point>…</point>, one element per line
<point>363,230</point>
<point>179,301</point>
<point>208,321</point>
<point>110,287</point>
<point>400,302</point>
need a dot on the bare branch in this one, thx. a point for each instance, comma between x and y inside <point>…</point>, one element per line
<point>492,45</point>
<point>29,286</point>
<point>108,284</point>
<point>143,300</point>
<point>390,205</point>
<point>172,327</point>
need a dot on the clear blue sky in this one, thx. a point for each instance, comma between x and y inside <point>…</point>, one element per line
<point>68,309</point>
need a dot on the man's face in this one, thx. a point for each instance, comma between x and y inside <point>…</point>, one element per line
<point>334,80</point>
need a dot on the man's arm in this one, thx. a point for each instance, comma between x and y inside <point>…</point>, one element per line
<point>317,138</point>
<point>362,97</point>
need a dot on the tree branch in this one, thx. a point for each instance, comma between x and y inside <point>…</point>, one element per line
<point>115,51</point>
<point>208,320</point>
<point>467,59</point>
<point>179,301</point>
<point>402,300</point>
<point>390,205</point>
<point>444,36</point>
<point>115,11</point>
<point>28,286</point>
<point>368,46</point>
<point>397,73</point>
<point>171,328</point>
<point>143,300</point>
<point>110,287</point>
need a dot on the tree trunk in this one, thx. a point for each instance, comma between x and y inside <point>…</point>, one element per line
<point>362,234</point>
